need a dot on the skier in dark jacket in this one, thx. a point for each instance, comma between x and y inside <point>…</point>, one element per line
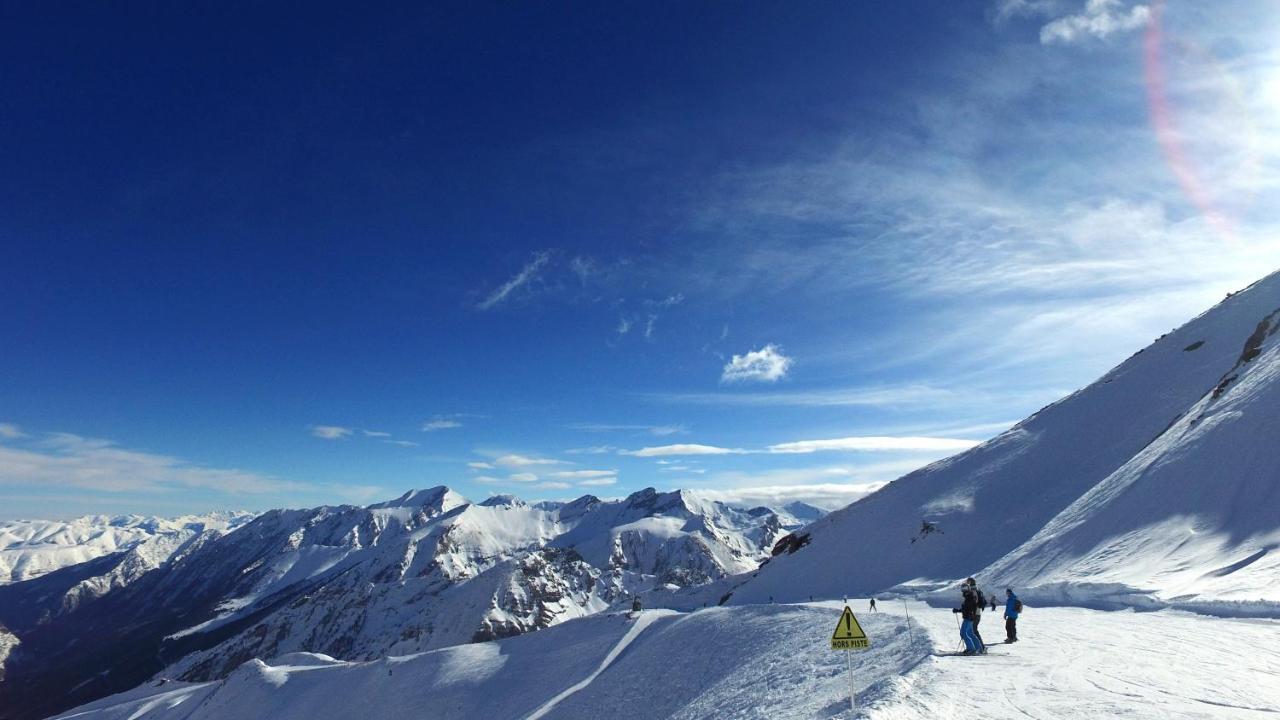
<point>1011,605</point>
<point>981,601</point>
<point>968,611</point>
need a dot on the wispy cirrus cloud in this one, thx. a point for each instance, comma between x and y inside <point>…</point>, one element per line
<point>592,450</point>
<point>439,424</point>
<point>528,274</point>
<point>659,430</point>
<point>681,449</point>
<point>582,474</point>
<point>331,432</point>
<point>68,460</point>
<point>859,443</point>
<point>768,364</point>
<point>520,461</point>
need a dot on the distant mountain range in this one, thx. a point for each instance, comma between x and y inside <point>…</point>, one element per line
<point>426,570</point>
<point>31,548</point>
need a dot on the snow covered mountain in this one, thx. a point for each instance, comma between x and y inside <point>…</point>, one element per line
<point>31,548</point>
<point>423,571</point>
<point>1155,485</point>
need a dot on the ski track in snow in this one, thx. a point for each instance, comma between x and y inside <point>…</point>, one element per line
<point>1078,663</point>
<point>637,627</point>
<point>772,662</point>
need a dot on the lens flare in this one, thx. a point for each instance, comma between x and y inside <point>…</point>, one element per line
<point>1219,99</point>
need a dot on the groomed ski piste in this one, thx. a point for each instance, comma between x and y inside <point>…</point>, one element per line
<point>769,661</point>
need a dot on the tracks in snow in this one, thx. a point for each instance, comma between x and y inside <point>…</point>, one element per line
<point>641,622</point>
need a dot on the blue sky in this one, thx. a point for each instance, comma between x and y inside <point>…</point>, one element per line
<point>251,258</point>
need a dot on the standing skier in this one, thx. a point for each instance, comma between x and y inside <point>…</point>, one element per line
<point>873,605</point>
<point>1012,608</point>
<point>981,602</point>
<point>968,611</point>
<point>992,597</point>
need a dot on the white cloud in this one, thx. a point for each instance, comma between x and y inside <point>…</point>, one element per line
<point>64,459</point>
<point>681,449</point>
<point>376,434</point>
<point>648,327</point>
<point>440,424</point>
<point>829,496</point>
<point>553,486</point>
<point>515,461</point>
<point>767,364</point>
<point>401,443</point>
<point>527,274</point>
<point>526,477</point>
<point>581,474</point>
<point>1098,19</point>
<point>480,466</point>
<point>9,431</point>
<point>868,443</point>
<point>593,450</point>
<point>598,482</point>
<point>624,325</point>
<point>659,430</point>
<point>330,432</point>
<point>488,480</point>
<point>872,443</point>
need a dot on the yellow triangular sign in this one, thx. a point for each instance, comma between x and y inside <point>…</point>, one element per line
<point>849,634</point>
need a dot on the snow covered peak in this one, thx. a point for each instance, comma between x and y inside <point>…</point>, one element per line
<point>504,501</point>
<point>439,498</point>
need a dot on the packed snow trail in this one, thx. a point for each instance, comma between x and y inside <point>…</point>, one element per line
<point>641,622</point>
<point>764,661</point>
<point>1078,663</point>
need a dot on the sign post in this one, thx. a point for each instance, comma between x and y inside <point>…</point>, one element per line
<point>849,636</point>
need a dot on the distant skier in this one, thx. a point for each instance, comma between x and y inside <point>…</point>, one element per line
<point>968,611</point>
<point>873,606</point>
<point>992,597</point>
<point>1012,609</point>
<point>635,604</point>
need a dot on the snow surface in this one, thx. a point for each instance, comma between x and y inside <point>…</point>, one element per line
<point>769,661</point>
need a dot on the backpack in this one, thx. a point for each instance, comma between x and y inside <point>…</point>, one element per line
<point>1017,606</point>
<point>982,601</point>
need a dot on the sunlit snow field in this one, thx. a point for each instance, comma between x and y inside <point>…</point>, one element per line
<point>770,661</point>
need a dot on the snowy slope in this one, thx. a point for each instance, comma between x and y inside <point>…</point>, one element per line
<point>1159,480</point>
<point>764,661</point>
<point>769,661</point>
<point>423,571</point>
<point>31,548</point>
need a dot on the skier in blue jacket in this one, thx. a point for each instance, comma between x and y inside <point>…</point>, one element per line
<point>1011,607</point>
